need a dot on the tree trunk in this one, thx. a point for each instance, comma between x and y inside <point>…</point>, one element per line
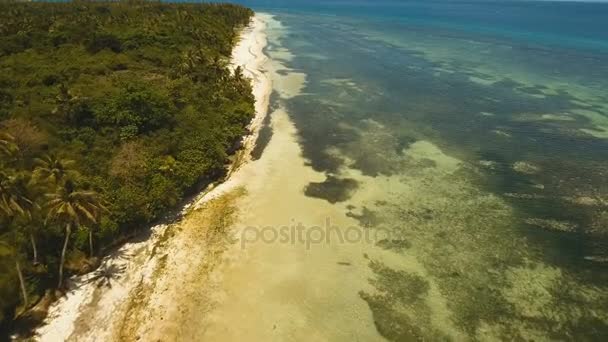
<point>68,230</point>
<point>34,249</point>
<point>22,284</point>
<point>91,242</point>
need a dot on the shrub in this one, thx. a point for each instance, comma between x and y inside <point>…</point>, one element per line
<point>104,41</point>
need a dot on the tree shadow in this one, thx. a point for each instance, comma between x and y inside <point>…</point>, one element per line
<point>106,274</point>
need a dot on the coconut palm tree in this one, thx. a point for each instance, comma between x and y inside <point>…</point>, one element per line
<point>13,195</point>
<point>5,143</point>
<point>53,170</point>
<point>74,208</point>
<point>15,191</point>
<point>191,60</point>
<point>90,228</point>
<point>13,203</point>
<point>20,201</point>
<point>8,148</point>
<point>7,250</point>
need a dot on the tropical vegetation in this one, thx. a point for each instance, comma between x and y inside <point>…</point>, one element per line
<point>110,113</point>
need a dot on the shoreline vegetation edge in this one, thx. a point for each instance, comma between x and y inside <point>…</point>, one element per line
<point>135,259</point>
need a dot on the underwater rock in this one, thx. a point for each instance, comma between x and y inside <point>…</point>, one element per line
<point>333,189</point>
<point>526,167</point>
<point>394,244</point>
<point>555,225</point>
<point>488,164</point>
<point>586,201</point>
<point>399,305</point>
<point>557,117</point>
<point>597,258</point>
<point>599,226</point>
<point>501,133</point>
<point>523,196</point>
<point>367,218</point>
<point>377,151</point>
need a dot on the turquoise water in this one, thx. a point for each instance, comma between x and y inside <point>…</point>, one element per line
<point>491,119</point>
<point>578,24</point>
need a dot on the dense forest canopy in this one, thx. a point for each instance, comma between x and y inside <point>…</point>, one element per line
<point>109,114</point>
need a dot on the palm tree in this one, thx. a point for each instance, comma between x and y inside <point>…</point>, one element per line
<point>14,190</point>
<point>13,202</point>
<point>90,228</point>
<point>13,195</point>
<point>74,208</point>
<point>7,250</point>
<point>191,59</point>
<point>53,170</point>
<point>19,186</point>
<point>64,97</point>
<point>34,247</point>
<point>8,149</point>
<point>7,145</point>
<point>92,225</point>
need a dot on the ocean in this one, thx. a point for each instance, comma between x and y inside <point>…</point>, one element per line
<point>472,136</point>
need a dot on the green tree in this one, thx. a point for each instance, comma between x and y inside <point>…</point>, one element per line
<point>6,145</point>
<point>138,109</point>
<point>24,193</point>
<point>13,203</point>
<point>72,207</point>
<point>17,201</point>
<point>142,144</point>
<point>52,170</point>
<point>7,250</point>
<point>8,148</point>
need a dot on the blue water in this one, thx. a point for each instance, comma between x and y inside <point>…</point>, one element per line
<point>574,24</point>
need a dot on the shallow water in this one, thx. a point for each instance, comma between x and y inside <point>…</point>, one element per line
<point>425,177</point>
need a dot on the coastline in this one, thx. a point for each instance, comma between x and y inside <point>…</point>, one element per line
<point>99,303</point>
<point>304,292</point>
<point>249,55</point>
<point>367,200</point>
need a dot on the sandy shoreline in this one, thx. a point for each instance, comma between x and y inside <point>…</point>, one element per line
<point>104,305</point>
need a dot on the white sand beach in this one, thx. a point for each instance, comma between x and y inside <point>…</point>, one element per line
<point>125,298</point>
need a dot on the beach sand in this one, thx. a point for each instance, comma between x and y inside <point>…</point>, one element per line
<point>132,292</point>
<point>249,289</point>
